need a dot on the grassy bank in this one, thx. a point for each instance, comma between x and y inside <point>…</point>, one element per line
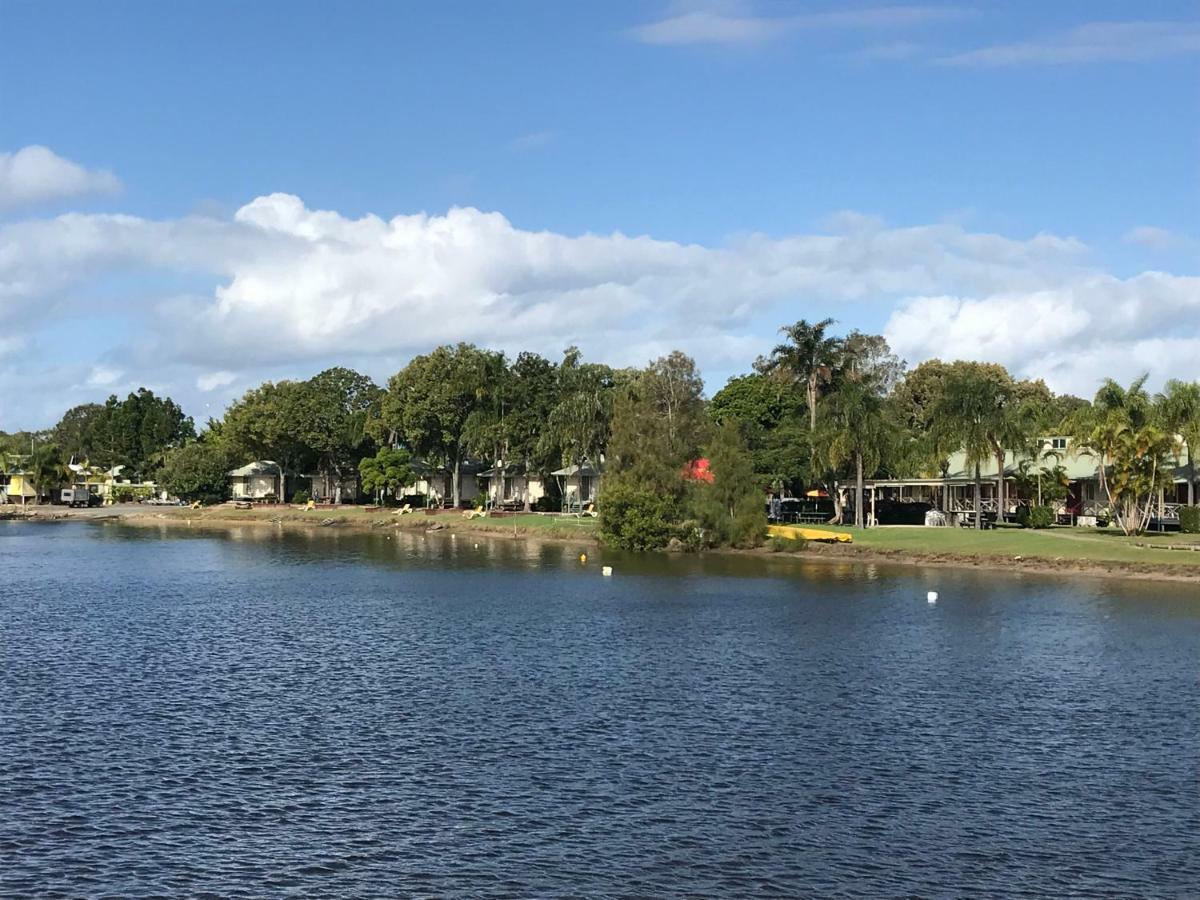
<point>361,518</point>
<point>1063,546</point>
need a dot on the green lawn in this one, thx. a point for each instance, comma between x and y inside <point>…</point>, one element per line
<point>1054,543</point>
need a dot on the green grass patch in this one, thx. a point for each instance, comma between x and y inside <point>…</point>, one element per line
<point>1067,543</point>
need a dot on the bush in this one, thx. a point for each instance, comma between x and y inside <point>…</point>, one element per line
<point>690,535</point>
<point>1189,519</point>
<point>633,518</point>
<point>1039,517</point>
<point>1023,516</point>
<point>786,544</point>
<point>301,497</point>
<point>547,503</point>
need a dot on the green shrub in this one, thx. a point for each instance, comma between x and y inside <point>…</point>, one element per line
<point>786,544</point>
<point>1023,516</point>
<point>301,497</point>
<point>1039,517</point>
<point>633,518</point>
<point>1189,519</point>
<point>690,535</point>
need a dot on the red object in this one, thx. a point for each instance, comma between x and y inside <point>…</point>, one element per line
<point>698,471</point>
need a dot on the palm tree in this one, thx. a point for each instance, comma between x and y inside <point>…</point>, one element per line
<point>963,418</point>
<point>1100,427</point>
<point>1180,407</point>
<point>855,428</point>
<point>1012,426</point>
<point>46,470</point>
<point>1122,428</point>
<point>810,357</point>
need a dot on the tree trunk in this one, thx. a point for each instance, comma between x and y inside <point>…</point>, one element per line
<point>812,403</point>
<point>978,499</point>
<point>839,514</point>
<point>1191,477</point>
<point>457,477</point>
<point>1000,488</point>
<point>858,490</point>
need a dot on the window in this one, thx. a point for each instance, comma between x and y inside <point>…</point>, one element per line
<point>1058,443</point>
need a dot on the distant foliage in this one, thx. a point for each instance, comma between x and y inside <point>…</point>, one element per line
<point>196,471</point>
<point>636,518</point>
<point>301,497</point>
<point>730,508</point>
<point>1189,519</point>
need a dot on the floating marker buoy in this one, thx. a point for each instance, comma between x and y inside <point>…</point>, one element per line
<point>606,571</point>
<point>476,546</point>
<point>583,557</point>
<point>931,596</point>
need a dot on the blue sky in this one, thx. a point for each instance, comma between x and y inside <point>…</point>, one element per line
<point>934,142</point>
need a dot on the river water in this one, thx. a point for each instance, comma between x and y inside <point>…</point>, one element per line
<point>250,713</point>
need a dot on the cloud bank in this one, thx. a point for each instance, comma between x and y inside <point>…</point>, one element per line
<point>291,289</point>
<point>36,174</point>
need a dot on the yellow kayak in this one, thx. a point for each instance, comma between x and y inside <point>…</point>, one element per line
<point>794,532</point>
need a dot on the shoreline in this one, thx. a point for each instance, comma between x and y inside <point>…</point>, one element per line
<point>364,521</point>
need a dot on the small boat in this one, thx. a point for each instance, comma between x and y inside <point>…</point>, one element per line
<point>795,532</point>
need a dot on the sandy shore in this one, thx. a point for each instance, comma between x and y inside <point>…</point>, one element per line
<point>359,519</point>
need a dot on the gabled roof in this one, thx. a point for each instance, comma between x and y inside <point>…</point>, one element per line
<point>585,469</point>
<point>258,467</point>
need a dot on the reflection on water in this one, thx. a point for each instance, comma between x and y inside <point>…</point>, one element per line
<point>256,711</point>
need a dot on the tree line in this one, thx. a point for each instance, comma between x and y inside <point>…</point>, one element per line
<point>820,411</point>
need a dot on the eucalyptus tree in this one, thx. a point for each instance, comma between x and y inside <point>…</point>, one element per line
<point>809,356</point>
<point>580,423</point>
<point>1180,408</point>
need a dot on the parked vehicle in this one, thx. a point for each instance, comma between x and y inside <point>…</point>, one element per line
<point>75,497</point>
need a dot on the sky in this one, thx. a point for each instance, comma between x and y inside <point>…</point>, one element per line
<point>196,197</point>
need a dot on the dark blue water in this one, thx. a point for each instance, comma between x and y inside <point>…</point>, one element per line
<point>250,714</point>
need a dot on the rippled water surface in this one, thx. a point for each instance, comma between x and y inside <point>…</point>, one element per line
<point>252,714</point>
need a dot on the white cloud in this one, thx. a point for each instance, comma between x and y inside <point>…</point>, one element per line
<point>210,381</point>
<point>36,174</point>
<point>1093,42</point>
<point>296,289</point>
<point>103,376</point>
<point>728,23</point>
<point>1159,239</point>
<point>535,140</point>
<point>1073,334</point>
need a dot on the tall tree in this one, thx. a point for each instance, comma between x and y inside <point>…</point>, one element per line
<point>430,401</point>
<point>730,506</point>
<point>963,417</point>
<point>333,412</point>
<point>1124,430</point>
<point>46,470</point>
<point>854,429</point>
<point>268,423</point>
<point>80,433</point>
<point>1180,405</point>
<point>580,424</point>
<point>810,357</point>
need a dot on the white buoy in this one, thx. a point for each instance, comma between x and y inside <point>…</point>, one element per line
<point>606,571</point>
<point>476,546</point>
<point>931,596</point>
